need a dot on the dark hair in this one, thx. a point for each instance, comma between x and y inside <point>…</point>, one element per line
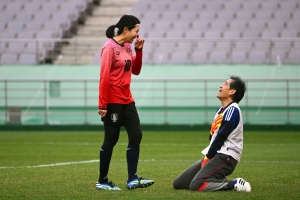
<point>239,85</point>
<point>128,21</point>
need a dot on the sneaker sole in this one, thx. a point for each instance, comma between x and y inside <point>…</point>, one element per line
<point>140,186</point>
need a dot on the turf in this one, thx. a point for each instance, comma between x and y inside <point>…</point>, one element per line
<point>64,165</point>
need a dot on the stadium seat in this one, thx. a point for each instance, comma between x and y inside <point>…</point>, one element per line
<point>199,25</point>
<point>163,24</point>
<point>256,25</point>
<point>243,46</point>
<point>251,34</point>
<point>293,25</point>
<point>251,5</point>
<point>160,57</point>
<point>175,34</point>
<point>152,16</point>
<point>146,26</point>
<point>270,34</point>
<point>262,45</point>
<point>193,34</point>
<point>239,25</point>
<point>185,45</point>
<point>165,47</point>
<point>188,15</point>
<point>23,17</point>
<point>282,45</point>
<point>15,26</point>
<point>233,6</point>
<point>278,56</point>
<point>32,7</point>
<point>179,57</point>
<point>223,46</point>
<point>263,16</point>
<point>26,34</point>
<point>225,15</point>
<point>195,6</point>
<point>13,7</point>
<point>289,34</point>
<point>34,26</point>
<point>219,25</point>
<point>178,5</point>
<point>156,34</point>
<point>232,34</point>
<point>293,57</point>
<point>276,25</point>
<point>50,7</point>
<point>207,15</point>
<point>257,57</point>
<point>147,58</point>
<point>2,26</point>
<point>288,6</point>
<point>218,57</point>
<point>212,34</point>
<point>158,6</point>
<point>8,59</point>
<point>7,17</point>
<point>269,6</point>
<point>141,6</point>
<point>42,16</point>
<point>8,34</point>
<point>170,15</point>
<point>15,47</point>
<point>3,46</point>
<point>204,46</point>
<point>296,15</point>
<point>181,25</point>
<point>213,5</point>
<point>29,59</point>
<point>199,57</point>
<point>245,15</point>
<point>238,57</point>
<point>282,15</point>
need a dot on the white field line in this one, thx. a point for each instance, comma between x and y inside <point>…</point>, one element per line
<point>149,160</point>
<point>143,144</point>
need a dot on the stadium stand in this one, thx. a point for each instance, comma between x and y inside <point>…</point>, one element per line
<point>240,23</point>
<point>262,22</point>
<point>38,20</point>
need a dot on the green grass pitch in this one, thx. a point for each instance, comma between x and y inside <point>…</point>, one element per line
<point>64,165</point>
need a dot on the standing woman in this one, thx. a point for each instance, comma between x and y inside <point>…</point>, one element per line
<point>116,104</point>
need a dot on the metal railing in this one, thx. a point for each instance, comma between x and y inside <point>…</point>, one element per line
<point>159,101</point>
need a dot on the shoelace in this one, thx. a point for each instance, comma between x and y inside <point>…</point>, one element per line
<point>111,184</point>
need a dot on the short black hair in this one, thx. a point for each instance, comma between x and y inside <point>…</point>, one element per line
<point>239,85</point>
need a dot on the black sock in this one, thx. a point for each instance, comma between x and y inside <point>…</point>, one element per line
<point>105,157</point>
<point>132,154</point>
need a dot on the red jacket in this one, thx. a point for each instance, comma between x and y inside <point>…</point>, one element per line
<point>117,65</point>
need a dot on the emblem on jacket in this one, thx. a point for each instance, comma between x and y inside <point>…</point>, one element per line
<point>128,51</point>
<point>114,117</point>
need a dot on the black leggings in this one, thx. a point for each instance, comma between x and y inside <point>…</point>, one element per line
<point>112,133</point>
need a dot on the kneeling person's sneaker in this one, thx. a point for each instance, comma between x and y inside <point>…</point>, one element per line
<point>139,183</point>
<point>242,185</point>
<point>106,186</point>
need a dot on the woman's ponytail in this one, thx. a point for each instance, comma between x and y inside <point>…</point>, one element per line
<point>110,32</point>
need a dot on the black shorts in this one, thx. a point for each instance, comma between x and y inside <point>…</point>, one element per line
<point>119,114</point>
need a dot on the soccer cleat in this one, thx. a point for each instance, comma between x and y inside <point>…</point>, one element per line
<point>106,186</point>
<point>242,185</point>
<point>139,183</point>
